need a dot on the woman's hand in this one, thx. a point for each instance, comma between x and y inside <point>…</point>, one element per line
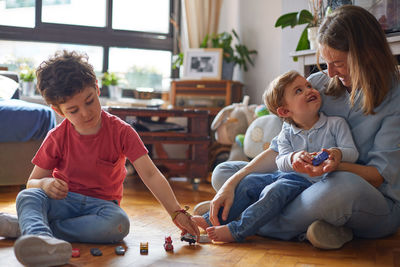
<point>185,223</point>
<point>54,188</point>
<point>223,198</point>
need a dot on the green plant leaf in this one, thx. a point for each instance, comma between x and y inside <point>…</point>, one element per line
<point>303,43</point>
<point>304,16</point>
<point>204,43</point>
<point>289,19</point>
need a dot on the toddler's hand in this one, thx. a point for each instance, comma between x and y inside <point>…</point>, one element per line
<point>55,188</point>
<point>300,161</point>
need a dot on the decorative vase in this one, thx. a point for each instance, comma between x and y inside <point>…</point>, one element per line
<point>227,70</point>
<point>114,92</point>
<point>312,37</point>
<point>28,88</point>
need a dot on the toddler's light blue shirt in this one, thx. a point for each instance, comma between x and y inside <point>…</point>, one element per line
<point>327,132</point>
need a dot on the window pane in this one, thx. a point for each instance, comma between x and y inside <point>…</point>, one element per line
<point>17,13</point>
<point>16,54</point>
<point>75,12</point>
<point>141,68</point>
<point>141,15</point>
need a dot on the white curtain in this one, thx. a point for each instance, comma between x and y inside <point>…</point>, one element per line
<point>202,17</point>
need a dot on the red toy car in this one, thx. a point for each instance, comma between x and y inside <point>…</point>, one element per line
<point>168,244</point>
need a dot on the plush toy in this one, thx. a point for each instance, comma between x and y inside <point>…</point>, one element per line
<point>233,120</point>
<point>260,133</point>
<point>247,128</point>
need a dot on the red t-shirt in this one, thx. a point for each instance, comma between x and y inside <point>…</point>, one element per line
<point>92,165</point>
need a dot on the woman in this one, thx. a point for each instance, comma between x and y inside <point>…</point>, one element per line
<point>363,87</point>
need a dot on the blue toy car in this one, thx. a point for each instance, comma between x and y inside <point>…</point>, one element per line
<point>319,158</point>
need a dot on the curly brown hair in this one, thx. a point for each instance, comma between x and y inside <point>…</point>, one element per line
<point>64,75</point>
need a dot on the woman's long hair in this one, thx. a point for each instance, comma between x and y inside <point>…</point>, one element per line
<point>371,64</point>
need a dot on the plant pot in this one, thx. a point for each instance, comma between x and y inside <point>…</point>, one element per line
<point>312,37</point>
<point>227,70</point>
<point>114,92</point>
<point>28,88</point>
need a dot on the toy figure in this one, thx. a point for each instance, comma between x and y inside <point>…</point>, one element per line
<point>144,247</point>
<point>189,238</point>
<point>168,244</point>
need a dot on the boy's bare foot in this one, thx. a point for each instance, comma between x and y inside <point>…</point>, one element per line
<point>200,222</point>
<point>220,233</point>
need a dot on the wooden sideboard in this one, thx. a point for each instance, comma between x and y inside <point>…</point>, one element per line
<point>211,95</point>
<point>196,135</point>
<point>307,58</point>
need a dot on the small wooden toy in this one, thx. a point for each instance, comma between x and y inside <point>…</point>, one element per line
<point>168,244</point>
<point>319,158</point>
<point>144,247</point>
<point>96,252</point>
<point>189,238</point>
<point>76,253</point>
<point>120,250</point>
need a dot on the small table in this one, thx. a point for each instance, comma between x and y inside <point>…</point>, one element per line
<point>195,166</point>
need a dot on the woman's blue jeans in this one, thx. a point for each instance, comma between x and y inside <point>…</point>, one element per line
<point>77,218</point>
<point>342,198</point>
<point>259,198</point>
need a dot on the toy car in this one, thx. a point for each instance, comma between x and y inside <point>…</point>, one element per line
<point>319,158</point>
<point>76,253</point>
<point>120,250</point>
<point>96,252</point>
<point>189,238</point>
<point>144,247</point>
<point>168,244</point>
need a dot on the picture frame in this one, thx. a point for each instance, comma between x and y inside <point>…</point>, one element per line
<point>202,63</point>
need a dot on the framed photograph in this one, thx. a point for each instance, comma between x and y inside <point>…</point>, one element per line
<point>203,63</point>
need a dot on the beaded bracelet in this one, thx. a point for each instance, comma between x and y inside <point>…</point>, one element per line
<point>184,211</point>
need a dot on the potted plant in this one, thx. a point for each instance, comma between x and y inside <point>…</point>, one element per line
<point>27,76</point>
<point>312,19</point>
<point>110,80</point>
<point>237,54</point>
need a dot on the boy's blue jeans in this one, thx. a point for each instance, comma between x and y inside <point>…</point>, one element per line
<point>77,218</point>
<point>260,201</point>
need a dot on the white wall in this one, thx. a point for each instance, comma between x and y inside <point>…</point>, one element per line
<point>254,21</point>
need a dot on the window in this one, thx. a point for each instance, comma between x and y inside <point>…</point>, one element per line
<point>130,37</point>
<point>17,13</point>
<point>75,12</point>
<point>14,54</point>
<point>139,15</point>
<point>141,68</point>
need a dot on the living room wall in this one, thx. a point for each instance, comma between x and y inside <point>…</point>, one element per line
<point>254,21</point>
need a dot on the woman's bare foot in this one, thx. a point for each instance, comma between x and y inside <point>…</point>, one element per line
<point>220,233</point>
<point>200,222</point>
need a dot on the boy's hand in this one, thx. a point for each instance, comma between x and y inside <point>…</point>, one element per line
<point>55,188</point>
<point>186,224</point>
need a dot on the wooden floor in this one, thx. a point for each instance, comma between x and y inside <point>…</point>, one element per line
<point>150,223</point>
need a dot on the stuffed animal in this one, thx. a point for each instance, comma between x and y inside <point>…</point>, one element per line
<point>233,120</point>
<point>247,128</point>
<point>260,133</point>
